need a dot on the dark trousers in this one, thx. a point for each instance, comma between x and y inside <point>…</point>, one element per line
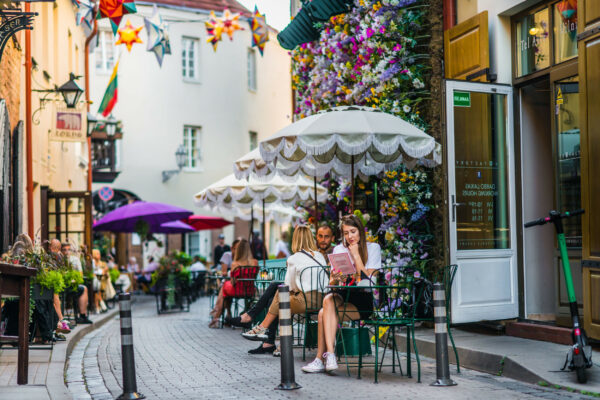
<point>262,304</point>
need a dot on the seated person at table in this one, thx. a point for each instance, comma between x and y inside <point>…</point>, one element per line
<point>82,291</point>
<point>366,258</point>
<point>305,255</point>
<point>227,258</point>
<point>324,239</point>
<point>242,258</point>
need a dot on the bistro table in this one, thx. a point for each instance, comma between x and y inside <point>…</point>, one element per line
<point>14,282</point>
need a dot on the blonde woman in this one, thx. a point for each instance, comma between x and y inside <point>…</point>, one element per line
<point>242,258</point>
<point>305,255</point>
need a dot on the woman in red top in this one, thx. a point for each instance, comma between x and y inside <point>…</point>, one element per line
<point>242,257</point>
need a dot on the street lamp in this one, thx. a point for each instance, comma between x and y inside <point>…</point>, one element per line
<point>71,91</point>
<point>180,158</point>
<point>111,126</point>
<point>92,121</point>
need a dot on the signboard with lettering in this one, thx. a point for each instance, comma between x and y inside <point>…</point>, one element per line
<point>462,99</point>
<point>68,126</point>
<point>13,20</point>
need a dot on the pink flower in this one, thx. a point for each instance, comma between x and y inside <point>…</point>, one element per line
<point>370,32</point>
<point>397,47</point>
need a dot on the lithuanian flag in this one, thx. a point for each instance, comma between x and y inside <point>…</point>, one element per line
<point>110,96</point>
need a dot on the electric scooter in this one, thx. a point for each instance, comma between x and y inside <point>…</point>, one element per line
<point>580,355</point>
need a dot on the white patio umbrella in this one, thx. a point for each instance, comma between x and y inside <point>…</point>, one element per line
<point>279,214</point>
<point>231,193</point>
<point>347,141</point>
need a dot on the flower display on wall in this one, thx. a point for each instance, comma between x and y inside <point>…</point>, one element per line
<point>373,56</point>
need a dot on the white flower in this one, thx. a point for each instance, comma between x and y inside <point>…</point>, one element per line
<point>418,84</point>
<point>406,108</point>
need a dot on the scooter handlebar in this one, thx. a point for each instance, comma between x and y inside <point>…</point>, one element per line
<point>573,213</point>
<point>540,221</point>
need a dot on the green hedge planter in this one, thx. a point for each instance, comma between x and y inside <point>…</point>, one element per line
<point>355,341</point>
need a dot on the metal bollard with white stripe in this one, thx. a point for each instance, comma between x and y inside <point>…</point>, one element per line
<point>286,340</point>
<point>442,366</point>
<point>129,384</point>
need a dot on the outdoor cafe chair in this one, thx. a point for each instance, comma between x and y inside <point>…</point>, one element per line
<point>243,281</point>
<point>394,308</point>
<point>319,275</point>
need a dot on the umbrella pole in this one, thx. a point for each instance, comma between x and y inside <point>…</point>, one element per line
<point>316,207</point>
<point>352,185</point>
<point>263,235</point>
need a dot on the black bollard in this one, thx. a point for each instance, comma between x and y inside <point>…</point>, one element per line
<point>286,341</point>
<point>129,384</point>
<point>442,367</point>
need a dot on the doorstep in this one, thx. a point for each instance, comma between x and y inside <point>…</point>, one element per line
<point>539,331</point>
<point>527,360</point>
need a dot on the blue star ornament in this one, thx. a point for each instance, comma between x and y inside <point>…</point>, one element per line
<point>158,36</point>
<point>85,14</point>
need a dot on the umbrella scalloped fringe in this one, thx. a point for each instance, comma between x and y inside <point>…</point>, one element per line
<point>284,198</point>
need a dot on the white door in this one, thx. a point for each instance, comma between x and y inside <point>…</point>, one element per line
<point>482,201</point>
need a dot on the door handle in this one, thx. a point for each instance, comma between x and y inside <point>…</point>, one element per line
<point>454,205</point>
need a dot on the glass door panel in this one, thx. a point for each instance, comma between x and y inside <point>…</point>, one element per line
<point>481,207</point>
<point>568,185</point>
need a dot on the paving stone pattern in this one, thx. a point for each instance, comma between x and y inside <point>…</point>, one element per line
<point>178,356</point>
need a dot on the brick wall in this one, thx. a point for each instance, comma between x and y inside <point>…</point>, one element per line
<point>10,77</point>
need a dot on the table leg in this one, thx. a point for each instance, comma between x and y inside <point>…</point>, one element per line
<point>23,355</point>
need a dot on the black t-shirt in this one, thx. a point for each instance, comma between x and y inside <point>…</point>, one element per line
<point>219,251</point>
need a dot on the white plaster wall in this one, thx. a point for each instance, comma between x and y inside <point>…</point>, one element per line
<point>155,103</point>
<point>499,13</point>
<point>57,47</point>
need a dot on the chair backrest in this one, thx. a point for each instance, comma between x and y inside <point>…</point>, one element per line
<point>276,263</point>
<point>397,294</point>
<point>319,278</point>
<point>244,281</point>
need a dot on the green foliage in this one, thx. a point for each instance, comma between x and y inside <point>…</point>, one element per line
<point>72,278</point>
<point>51,279</point>
<point>183,258</point>
<point>114,274</point>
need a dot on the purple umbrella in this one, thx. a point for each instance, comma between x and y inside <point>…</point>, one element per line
<point>125,218</point>
<point>174,227</point>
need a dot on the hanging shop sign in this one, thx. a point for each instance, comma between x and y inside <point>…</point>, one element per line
<point>68,126</point>
<point>14,20</point>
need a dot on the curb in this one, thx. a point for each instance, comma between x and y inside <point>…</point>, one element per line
<point>55,380</point>
<point>493,364</point>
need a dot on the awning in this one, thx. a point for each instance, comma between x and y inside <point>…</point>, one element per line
<point>302,28</point>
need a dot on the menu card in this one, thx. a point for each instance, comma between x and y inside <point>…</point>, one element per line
<point>341,262</point>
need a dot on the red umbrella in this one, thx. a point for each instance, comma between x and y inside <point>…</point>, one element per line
<point>201,222</point>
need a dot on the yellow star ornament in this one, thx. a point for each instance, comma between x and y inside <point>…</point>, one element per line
<point>128,35</point>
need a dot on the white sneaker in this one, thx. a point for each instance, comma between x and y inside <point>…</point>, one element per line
<point>315,366</point>
<point>330,362</point>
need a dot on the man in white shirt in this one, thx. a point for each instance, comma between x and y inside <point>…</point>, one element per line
<point>197,266</point>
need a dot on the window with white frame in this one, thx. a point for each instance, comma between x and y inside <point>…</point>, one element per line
<point>105,52</point>
<point>253,140</point>
<point>189,58</point>
<point>251,69</point>
<point>191,144</point>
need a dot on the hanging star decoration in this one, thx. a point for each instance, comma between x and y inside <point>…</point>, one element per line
<point>260,30</point>
<point>85,14</point>
<point>215,27</point>
<point>128,35</point>
<point>158,37</point>
<point>115,10</point>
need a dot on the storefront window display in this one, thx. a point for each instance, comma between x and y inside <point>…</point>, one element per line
<point>565,30</point>
<point>533,44</point>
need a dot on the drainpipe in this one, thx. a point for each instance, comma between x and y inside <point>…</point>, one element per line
<point>87,94</point>
<point>28,130</point>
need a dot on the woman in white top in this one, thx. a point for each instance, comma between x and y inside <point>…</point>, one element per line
<point>366,258</point>
<point>312,282</point>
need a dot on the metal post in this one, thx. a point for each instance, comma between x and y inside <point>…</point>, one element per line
<point>442,366</point>
<point>288,380</point>
<point>129,384</point>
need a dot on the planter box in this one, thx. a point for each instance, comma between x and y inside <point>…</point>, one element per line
<point>41,293</point>
<point>356,341</point>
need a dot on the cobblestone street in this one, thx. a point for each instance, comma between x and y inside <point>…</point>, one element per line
<point>178,356</point>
